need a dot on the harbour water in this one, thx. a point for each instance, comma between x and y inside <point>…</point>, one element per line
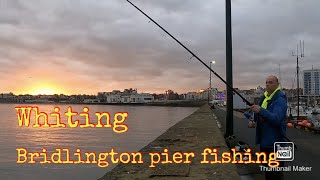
<point>145,123</point>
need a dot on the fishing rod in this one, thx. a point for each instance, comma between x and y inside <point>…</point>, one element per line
<point>193,55</point>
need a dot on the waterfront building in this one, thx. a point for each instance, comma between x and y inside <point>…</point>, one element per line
<point>190,95</point>
<point>127,96</point>
<point>91,101</point>
<point>311,82</point>
<point>7,95</point>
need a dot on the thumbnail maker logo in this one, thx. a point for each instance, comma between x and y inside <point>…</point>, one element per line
<point>284,151</point>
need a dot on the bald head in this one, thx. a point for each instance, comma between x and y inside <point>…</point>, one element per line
<point>274,78</point>
<point>272,83</point>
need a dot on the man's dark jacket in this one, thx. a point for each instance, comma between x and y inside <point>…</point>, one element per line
<point>271,122</point>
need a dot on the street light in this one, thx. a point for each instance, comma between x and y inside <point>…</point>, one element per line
<point>212,62</point>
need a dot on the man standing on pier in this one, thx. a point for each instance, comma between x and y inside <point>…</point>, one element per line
<point>270,117</point>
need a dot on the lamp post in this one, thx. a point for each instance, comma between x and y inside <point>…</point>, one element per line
<point>229,115</point>
<point>212,62</point>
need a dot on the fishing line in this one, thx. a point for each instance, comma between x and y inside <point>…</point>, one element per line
<point>193,55</point>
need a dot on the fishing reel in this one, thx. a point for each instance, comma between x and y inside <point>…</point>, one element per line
<point>250,117</point>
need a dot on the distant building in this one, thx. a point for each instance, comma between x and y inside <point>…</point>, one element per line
<point>45,96</point>
<point>42,100</point>
<point>238,102</point>
<point>113,98</point>
<point>213,93</point>
<point>91,101</point>
<point>202,94</point>
<point>190,96</point>
<point>311,82</point>
<point>127,96</point>
<point>7,95</point>
<point>143,98</point>
<point>259,90</point>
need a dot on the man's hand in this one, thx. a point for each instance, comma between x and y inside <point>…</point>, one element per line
<point>255,108</point>
<point>251,124</point>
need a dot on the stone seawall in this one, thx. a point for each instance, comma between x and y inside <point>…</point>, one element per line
<point>192,134</point>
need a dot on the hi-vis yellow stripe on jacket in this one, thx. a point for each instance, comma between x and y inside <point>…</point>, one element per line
<point>267,98</point>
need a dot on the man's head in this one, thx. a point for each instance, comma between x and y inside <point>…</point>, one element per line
<point>272,84</point>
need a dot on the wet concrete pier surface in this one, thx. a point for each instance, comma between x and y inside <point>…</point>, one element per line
<point>307,154</point>
<point>190,137</point>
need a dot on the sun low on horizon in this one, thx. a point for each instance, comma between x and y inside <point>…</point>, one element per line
<point>44,92</point>
<point>49,86</point>
<point>44,89</point>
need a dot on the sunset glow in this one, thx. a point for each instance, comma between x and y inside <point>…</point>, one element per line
<point>92,50</point>
<point>43,91</point>
<point>44,88</point>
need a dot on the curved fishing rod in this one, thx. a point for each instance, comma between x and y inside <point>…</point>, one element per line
<point>193,55</point>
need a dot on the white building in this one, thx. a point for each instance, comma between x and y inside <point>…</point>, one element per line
<point>311,82</point>
<point>143,98</point>
<point>125,98</point>
<point>128,96</point>
<point>190,95</point>
<point>113,98</point>
<point>200,95</point>
<point>91,101</point>
<point>213,93</point>
<point>238,102</point>
<point>259,90</point>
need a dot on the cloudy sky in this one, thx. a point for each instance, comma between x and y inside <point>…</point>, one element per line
<point>87,46</point>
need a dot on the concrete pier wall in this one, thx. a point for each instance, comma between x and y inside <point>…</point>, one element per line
<point>192,134</point>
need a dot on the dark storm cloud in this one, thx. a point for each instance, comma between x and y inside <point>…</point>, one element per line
<point>112,41</point>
